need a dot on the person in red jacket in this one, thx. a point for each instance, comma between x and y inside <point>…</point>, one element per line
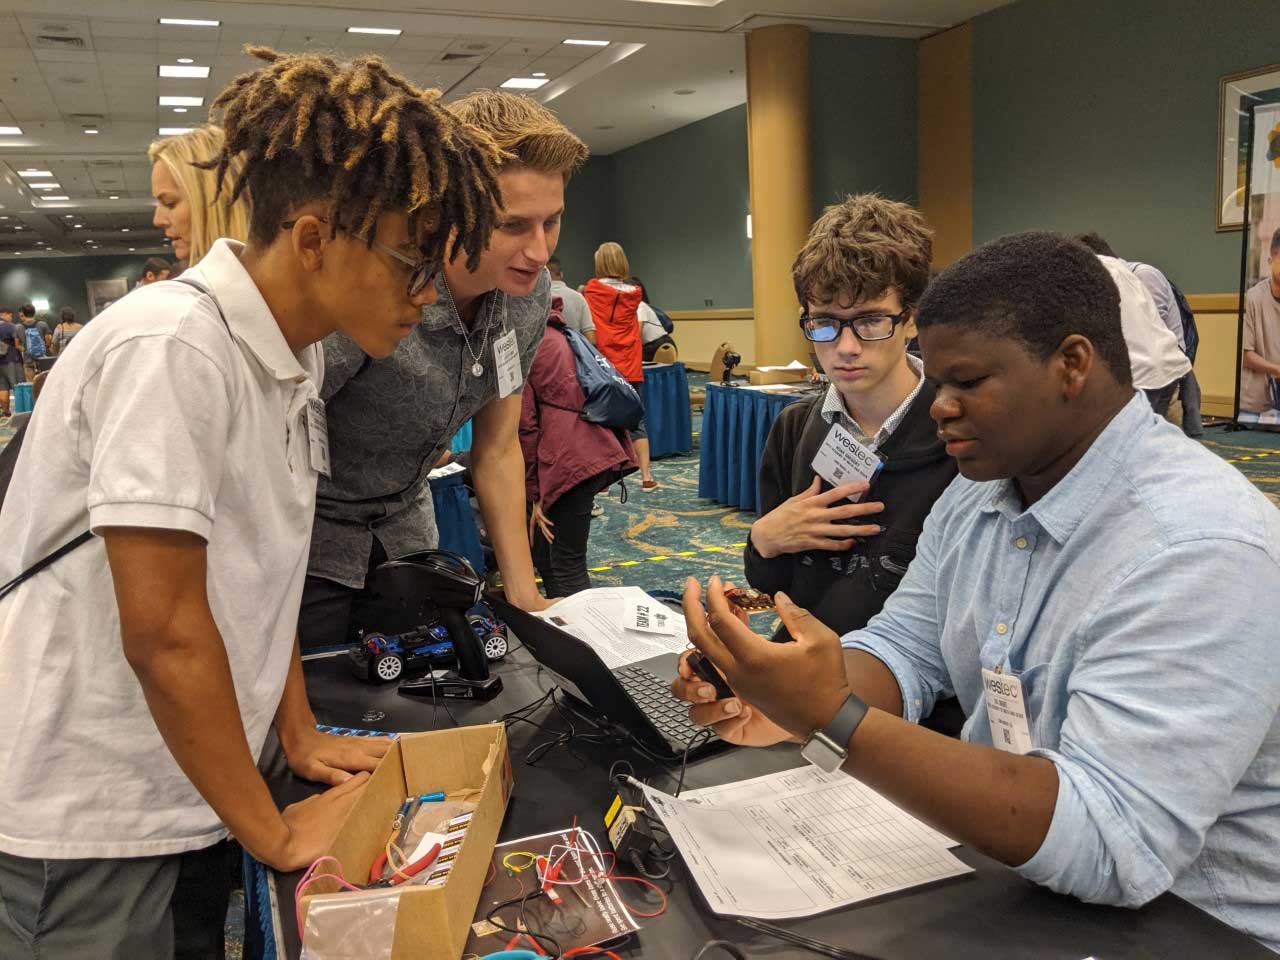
<point>567,462</point>
<point>615,305</point>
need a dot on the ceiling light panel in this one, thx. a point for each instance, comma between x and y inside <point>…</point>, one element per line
<point>381,31</point>
<point>524,83</point>
<point>171,101</point>
<point>180,22</point>
<point>180,71</point>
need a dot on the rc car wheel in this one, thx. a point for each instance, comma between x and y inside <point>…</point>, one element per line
<point>495,646</point>
<point>388,667</point>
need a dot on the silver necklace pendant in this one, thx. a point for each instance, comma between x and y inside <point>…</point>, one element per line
<point>477,370</point>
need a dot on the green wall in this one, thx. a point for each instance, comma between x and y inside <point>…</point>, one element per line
<point>864,117</point>
<point>1096,114</point>
<point>681,203</point>
<point>588,218</point>
<point>61,279</point>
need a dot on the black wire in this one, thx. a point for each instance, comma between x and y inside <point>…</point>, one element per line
<point>724,945</point>
<point>527,931</point>
<point>706,733</point>
<point>808,943</point>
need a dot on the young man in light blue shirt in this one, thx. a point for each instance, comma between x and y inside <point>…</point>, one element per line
<point>1068,570</point>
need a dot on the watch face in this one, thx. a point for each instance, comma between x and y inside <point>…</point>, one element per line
<point>822,753</point>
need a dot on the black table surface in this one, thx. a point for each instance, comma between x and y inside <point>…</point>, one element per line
<point>990,913</point>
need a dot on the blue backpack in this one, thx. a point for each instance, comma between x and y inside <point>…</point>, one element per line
<point>610,400</point>
<point>35,344</point>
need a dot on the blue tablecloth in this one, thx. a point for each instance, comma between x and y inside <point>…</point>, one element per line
<point>455,519</point>
<point>735,425</point>
<point>666,410</point>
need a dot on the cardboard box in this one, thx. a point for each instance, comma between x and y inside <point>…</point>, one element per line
<point>797,375</point>
<point>469,763</point>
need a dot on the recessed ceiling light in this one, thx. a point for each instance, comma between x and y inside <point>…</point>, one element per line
<point>182,101</point>
<point>124,229</point>
<point>67,216</point>
<point>182,72</point>
<point>185,60</point>
<point>114,197</point>
<point>385,31</point>
<point>34,174</point>
<point>131,249</point>
<point>46,186</point>
<point>78,226</point>
<point>19,227</point>
<point>91,131</point>
<point>17,253</point>
<point>4,218</point>
<point>174,131</point>
<point>587,43</point>
<point>180,22</point>
<point>49,196</point>
<point>10,131</point>
<point>683,92</point>
<point>539,74</point>
<point>179,109</point>
<point>523,83</point>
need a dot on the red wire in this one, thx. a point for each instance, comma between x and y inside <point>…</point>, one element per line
<point>647,883</point>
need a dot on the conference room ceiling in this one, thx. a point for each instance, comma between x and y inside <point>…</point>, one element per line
<point>83,85</point>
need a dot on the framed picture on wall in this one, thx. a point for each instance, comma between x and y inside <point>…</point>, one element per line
<point>1258,394</point>
<point>1236,94</point>
<point>103,293</point>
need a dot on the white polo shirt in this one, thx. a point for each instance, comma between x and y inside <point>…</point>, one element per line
<point>153,417</point>
<point>1154,354</point>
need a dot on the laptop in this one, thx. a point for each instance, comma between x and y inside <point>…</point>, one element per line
<point>636,697</point>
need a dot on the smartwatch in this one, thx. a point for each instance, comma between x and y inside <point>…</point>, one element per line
<point>828,747</point>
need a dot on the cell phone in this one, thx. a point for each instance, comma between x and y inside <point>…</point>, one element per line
<point>705,669</point>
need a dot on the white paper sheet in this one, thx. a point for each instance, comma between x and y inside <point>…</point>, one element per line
<point>598,617</point>
<point>800,842</point>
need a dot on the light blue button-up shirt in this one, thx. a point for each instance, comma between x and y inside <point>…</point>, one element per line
<point>1140,602</point>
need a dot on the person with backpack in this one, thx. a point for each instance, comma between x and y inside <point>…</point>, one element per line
<point>66,330</point>
<point>176,452</point>
<point>10,360</point>
<point>615,311</point>
<point>568,458</point>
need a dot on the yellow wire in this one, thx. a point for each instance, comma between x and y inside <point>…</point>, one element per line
<point>533,858</point>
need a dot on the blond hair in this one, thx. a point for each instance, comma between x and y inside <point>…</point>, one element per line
<point>212,215</point>
<point>524,128</point>
<point>611,261</point>
<point>861,247</point>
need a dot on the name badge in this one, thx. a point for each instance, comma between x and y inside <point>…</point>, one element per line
<point>506,358</point>
<point>1006,711</point>
<point>318,436</point>
<point>842,458</point>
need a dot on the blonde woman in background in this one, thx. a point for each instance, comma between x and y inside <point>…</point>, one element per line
<point>184,193</point>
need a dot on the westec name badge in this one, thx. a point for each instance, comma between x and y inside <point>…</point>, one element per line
<point>843,458</point>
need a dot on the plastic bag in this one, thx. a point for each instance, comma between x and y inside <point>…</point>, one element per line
<point>354,926</point>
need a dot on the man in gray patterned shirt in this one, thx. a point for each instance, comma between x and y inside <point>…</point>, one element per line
<point>390,420</point>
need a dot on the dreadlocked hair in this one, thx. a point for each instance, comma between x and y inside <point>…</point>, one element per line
<point>363,141</point>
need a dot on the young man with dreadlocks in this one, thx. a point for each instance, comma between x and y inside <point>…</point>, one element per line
<point>183,428</point>
<point>389,420</point>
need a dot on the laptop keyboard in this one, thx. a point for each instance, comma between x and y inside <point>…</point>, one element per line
<point>653,695</point>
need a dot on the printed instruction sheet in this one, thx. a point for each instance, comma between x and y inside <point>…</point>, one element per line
<point>800,842</point>
<point>619,624</point>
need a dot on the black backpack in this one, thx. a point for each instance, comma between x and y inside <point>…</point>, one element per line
<point>1190,335</point>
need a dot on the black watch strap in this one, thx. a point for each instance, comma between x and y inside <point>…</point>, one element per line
<point>846,721</point>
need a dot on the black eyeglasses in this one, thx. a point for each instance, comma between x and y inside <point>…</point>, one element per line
<point>421,273</point>
<point>821,328</point>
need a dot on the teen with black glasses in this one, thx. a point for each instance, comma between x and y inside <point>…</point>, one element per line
<point>859,277</point>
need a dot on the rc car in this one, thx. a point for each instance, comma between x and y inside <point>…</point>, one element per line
<point>382,658</point>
